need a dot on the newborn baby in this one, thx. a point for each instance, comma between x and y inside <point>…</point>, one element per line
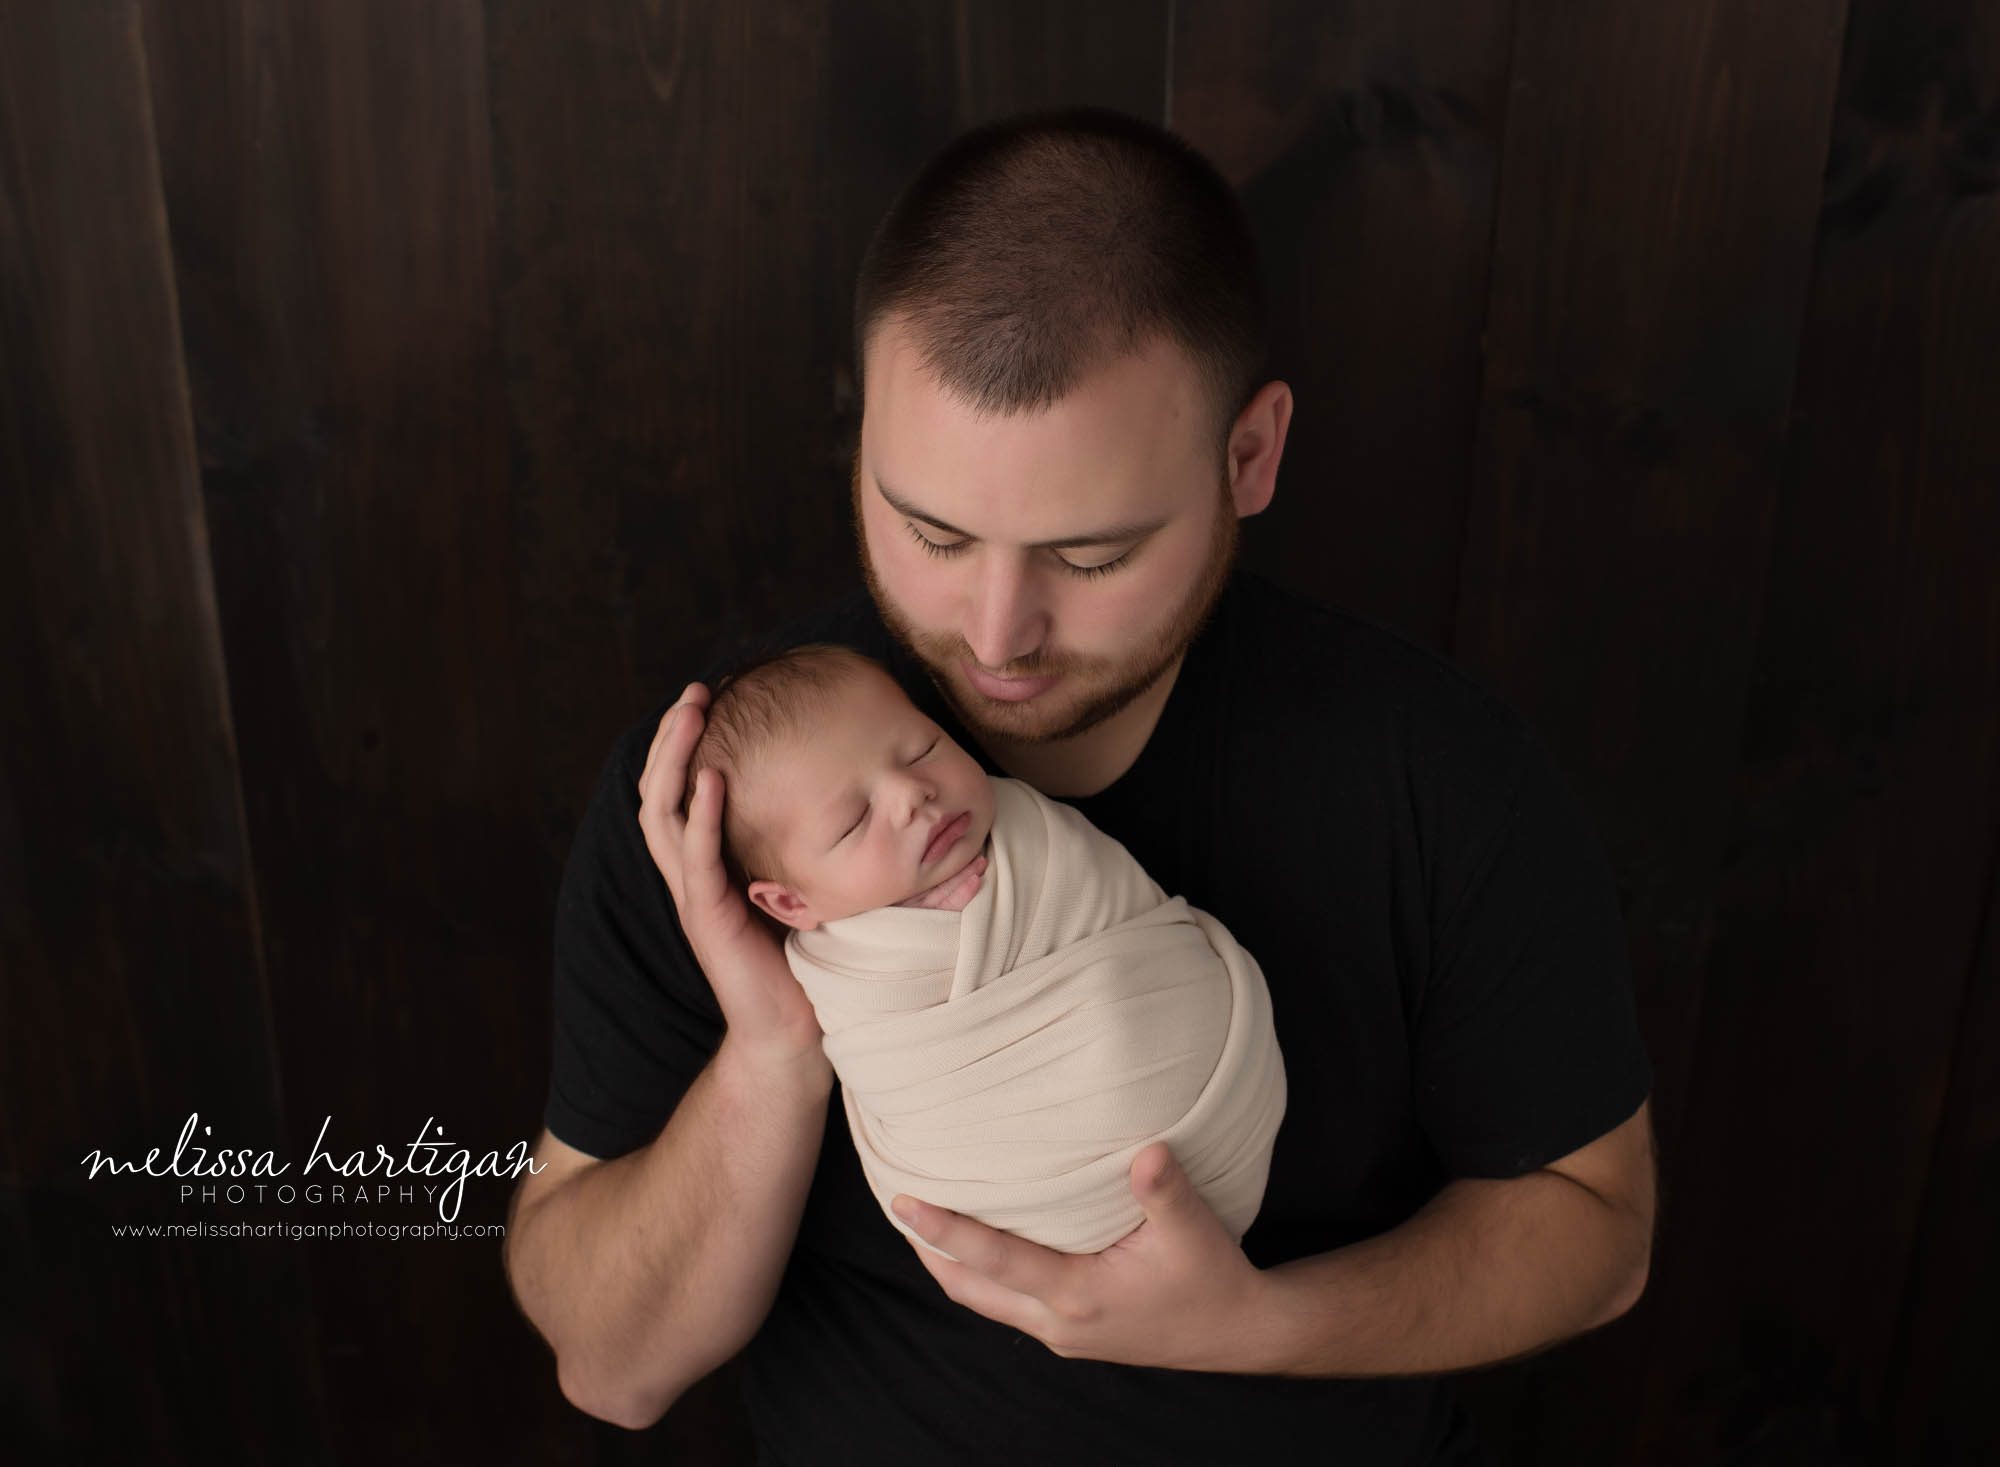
<point>1014,1008</point>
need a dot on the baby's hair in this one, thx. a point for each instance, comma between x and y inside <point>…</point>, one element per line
<point>751,710</point>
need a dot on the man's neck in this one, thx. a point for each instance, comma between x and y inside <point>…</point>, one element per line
<point>1091,762</point>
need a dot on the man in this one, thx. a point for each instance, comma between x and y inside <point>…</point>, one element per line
<point>1059,333</point>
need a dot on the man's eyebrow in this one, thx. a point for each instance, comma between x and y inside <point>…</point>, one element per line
<point>1110,535</point>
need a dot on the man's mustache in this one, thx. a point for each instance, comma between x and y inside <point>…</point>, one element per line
<point>941,653</point>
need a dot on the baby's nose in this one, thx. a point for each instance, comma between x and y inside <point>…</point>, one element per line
<point>917,793</point>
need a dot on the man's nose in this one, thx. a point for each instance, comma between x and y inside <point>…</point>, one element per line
<point>1004,620</point>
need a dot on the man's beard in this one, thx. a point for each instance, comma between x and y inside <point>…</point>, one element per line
<point>989,719</point>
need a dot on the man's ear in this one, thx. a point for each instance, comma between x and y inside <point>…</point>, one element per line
<point>1256,445</point>
<point>782,904</point>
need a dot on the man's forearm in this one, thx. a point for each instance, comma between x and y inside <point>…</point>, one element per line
<point>1487,1271</point>
<point>646,1272</point>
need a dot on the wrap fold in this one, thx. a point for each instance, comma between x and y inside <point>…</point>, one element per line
<point>1008,1061</point>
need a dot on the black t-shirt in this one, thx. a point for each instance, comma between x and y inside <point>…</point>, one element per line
<point>1437,924</point>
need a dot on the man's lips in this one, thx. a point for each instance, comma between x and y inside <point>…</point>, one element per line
<point>949,832</point>
<point>1008,690</point>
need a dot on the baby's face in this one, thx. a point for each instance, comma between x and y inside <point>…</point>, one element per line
<point>874,807</point>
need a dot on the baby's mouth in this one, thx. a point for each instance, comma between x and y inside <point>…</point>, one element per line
<point>947,834</point>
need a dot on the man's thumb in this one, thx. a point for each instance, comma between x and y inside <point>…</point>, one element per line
<point>1157,1179</point>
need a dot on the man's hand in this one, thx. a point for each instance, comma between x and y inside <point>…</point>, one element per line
<point>767,1011</point>
<point>1176,1292</point>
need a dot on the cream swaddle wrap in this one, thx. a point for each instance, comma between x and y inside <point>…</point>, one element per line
<point>1008,1061</point>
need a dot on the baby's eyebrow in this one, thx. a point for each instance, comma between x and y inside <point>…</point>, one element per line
<point>836,820</point>
<point>1111,535</point>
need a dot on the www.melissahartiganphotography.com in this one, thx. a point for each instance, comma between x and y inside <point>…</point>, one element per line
<point>204,1229</point>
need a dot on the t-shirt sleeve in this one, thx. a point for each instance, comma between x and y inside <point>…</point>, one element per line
<point>1527,1042</point>
<point>634,1018</point>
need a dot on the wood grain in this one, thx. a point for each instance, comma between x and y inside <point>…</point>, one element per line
<point>1837,1147</point>
<point>1651,263</point>
<point>130,953</point>
<point>327,178</point>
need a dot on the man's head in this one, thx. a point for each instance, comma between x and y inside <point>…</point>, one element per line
<point>1059,328</point>
<point>836,787</point>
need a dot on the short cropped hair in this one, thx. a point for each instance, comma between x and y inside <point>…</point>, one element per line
<point>751,712</point>
<point>1033,250</point>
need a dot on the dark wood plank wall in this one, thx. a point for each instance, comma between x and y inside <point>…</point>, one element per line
<point>133,986</point>
<point>1650,267</point>
<point>393,400</point>
<point>328,183</point>
<point>1842,984</point>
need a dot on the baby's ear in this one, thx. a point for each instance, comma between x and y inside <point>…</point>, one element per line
<point>782,904</point>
